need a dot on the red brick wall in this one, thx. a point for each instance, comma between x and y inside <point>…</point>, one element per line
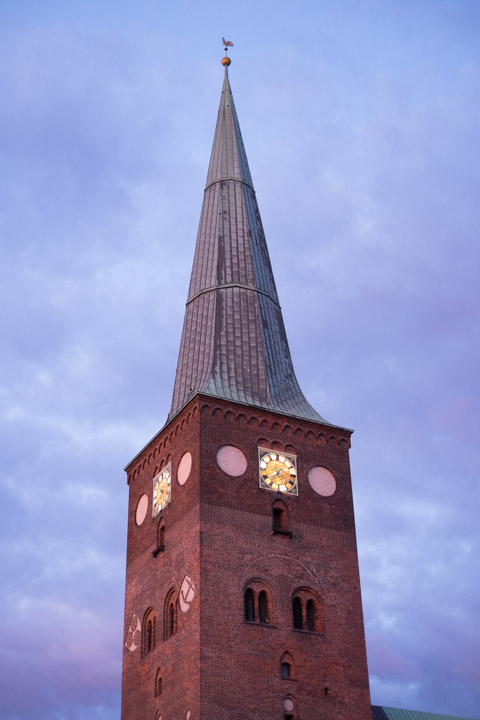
<point>149,579</point>
<point>219,531</point>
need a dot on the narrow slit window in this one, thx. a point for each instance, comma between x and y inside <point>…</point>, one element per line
<point>148,634</point>
<point>249,605</point>
<point>158,683</point>
<point>161,536</point>
<point>170,614</point>
<point>263,607</point>
<point>171,618</point>
<point>297,614</point>
<point>279,522</point>
<point>311,624</point>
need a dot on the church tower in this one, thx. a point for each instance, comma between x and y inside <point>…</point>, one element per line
<point>242,591</point>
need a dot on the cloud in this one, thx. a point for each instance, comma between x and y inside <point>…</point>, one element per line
<point>361,126</point>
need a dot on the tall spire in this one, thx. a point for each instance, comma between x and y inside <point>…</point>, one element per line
<point>233,343</point>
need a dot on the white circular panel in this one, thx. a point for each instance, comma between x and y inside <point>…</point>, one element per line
<point>232,460</point>
<point>322,481</point>
<point>184,468</point>
<point>187,592</point>
<point>288,705</point>
<point>142,507</point>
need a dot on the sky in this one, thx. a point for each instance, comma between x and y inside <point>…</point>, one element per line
<point>361,121</point>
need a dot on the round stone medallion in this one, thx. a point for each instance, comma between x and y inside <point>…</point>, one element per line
<point>288,705</point>
<point>142,507</point>
<point>187,592</point>
<point>184,468</point>
<point>232,460</point>
<point>322,481</point>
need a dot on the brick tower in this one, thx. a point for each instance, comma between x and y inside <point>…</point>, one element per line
<point>242,591</point>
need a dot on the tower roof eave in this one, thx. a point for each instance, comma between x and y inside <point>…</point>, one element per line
<point>171,419</point>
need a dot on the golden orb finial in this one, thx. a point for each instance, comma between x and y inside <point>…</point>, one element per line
<point>226,61</point>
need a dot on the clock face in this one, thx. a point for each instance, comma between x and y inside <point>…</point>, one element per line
<point>278,471</point>
<point>161,489</point>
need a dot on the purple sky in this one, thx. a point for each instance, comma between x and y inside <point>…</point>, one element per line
<point>361,120</point>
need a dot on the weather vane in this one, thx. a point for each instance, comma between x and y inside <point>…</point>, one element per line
<point>226,60</point>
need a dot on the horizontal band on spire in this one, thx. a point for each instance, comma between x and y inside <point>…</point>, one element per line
<point>232,285</point>
<point>236,179</point>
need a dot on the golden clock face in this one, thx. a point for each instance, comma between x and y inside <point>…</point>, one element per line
<point>161,489</point>
<point>278,471</point>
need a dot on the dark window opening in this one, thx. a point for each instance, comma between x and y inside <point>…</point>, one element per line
<point>279,520</point>
<point>263,607</point>
<point>311,616</point>
<point>149,637</point>
<point>326,691</point>
<point>161,536</point>
<point>297,614</point>
<point>160,539</point>
<point>286,670</point>
<point>249,607</point>
<point>148,632</point>
<point>171,618</point>
<point>170,615</point>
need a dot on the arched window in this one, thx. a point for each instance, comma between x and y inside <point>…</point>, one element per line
<point>280,519</point>
<point>297,613</point>
<point>287,667</point>
<point>249,605</point>
<point>160,538</point>
<point>148,631</point>
<point>158,682</point>
<point>258,603</point>
<point>307,611</point>
<point>170,614</point>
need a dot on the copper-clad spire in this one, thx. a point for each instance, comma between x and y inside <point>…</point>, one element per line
<point>234,344</point>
